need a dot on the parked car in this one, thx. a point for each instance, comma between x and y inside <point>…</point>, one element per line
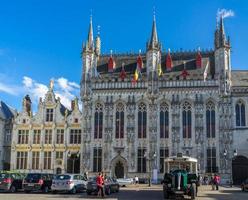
<point>10,182</point>
<point>110,186</point>
<point>125,181</point>
<point>244,185</point>
<point>37,182</point>
<point>72,183</point>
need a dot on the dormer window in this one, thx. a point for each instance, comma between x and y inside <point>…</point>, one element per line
<point>24,121</point>
<point>76,120</point>
<point>49,115</point>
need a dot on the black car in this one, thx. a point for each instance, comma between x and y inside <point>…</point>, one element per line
<point>110,186</point>
<point>38,182</point>
<point>11,182</point>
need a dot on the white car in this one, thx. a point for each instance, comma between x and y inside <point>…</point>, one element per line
<point>125,181</point>
<point>72,183</point>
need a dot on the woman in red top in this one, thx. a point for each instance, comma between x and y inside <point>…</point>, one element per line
<point>100,183</point>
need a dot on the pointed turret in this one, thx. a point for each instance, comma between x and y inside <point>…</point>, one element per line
<point>220,36</point>
<point>90,41</point>
<point>154,43</point>
<point>98,42</point>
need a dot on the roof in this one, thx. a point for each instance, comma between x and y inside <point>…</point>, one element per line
<point>240,78</point>
<point>179,59</point>
<point>6,112</point>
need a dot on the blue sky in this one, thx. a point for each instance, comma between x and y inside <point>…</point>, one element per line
<point>42,39</point>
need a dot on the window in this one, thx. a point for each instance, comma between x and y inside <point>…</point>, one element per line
<point>186,120</point>
<point>8,136</point>
<point>210,120</point>
<point>119,124</point>
<point>211,160</point>
<point>142,121</point>
<point>48,136</point>
<point>21,160</point>
<point>60,136</point>
<point>59,155</point>
<point>76,120</point>
<point>36,137</point>
<point>97,160</point>
<point>23,136</point>
<point>47,159</point>
<point>164,121</point>
<point>164,153</point>
<point>75,136</point>
<point>141,160</point>
<point>35,160</point>
<point>240,114</point>
<point>49,115</point>
<point>98,121</point>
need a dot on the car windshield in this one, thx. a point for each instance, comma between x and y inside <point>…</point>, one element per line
<point>33,176</point>
<point>62,177</point>
<point>92,178</point>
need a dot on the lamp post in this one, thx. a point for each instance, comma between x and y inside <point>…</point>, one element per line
<point>150,157</point>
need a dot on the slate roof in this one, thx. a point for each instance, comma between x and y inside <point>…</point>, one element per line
<point>6,112</point>
<point>178,58</point>
<point>240,78</point>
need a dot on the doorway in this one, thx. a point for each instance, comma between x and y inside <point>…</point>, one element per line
<point>239,169</point>
<point>119,170</point>
<point>73,164</point>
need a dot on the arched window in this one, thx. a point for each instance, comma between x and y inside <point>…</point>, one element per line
<point>210,120</point>
<point>240,113</point>
<point>142,121</point>
<point>98,121</point>
<point>187,120</point>
<point>164,121</point>
<point>119,121</point>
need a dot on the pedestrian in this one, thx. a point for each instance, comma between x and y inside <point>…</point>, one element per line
<point>212,181</point>
<point>217,181</point>
<point>100,184</point>
<point>136,178</point>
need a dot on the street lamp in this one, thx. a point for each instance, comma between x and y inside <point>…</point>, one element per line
<point>150,157</point>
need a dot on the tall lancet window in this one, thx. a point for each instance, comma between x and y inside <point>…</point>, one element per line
<point>164,121</point>
<point>240,113</point>
<point>98,121</point>
<point>142,120</point>
<point>187,120</point>
<point>119,123</point>
<point>210,120</point>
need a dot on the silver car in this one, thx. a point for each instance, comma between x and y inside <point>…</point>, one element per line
<point>72,183</point>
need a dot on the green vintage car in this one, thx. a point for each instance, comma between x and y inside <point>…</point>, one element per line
<point>181,177</point>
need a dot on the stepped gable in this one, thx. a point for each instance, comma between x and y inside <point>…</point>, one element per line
<point>178,59</point>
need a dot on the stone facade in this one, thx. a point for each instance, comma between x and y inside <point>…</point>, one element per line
<point>6,123</point>
<point>48,141</point>
<point>196,91</point>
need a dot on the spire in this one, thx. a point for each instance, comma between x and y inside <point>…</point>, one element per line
<point>90,41</point>
<point>153,43</point>
<point>220,36</point>
<point>222,32</point>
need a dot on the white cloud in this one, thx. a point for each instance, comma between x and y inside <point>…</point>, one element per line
<point>9,89</point>
<point>225,13</point>
<point>28,82</point>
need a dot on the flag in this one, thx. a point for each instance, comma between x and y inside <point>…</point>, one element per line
<point>123,73</point>
<point>111,64</point>
<point>135,76</point>
<point>160,72</point>
<point>205,74</point>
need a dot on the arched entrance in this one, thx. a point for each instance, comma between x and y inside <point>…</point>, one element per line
<point>119,167</point>
<point>119,170</point>
<point>73,163</point>
<point>239,169</point>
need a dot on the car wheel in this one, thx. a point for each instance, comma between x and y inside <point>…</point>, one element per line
<point>108,191</point>
<point>88,193</point>
<point>118,188</point>
<point>12,189</point>
<point>73,191</point>
<point>45,189</point>
<point>27,191</point>
<point>54,192</point>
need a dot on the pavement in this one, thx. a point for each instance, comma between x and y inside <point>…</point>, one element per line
<point>135,192</point>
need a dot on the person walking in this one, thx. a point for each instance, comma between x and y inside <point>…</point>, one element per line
<point>136,179</point>
<point>100,184</point>
<point>217,181</point>
<point>212,181</point>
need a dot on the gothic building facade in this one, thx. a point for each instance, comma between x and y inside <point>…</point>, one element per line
<point>140,108</point>
<point>48,141</point>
